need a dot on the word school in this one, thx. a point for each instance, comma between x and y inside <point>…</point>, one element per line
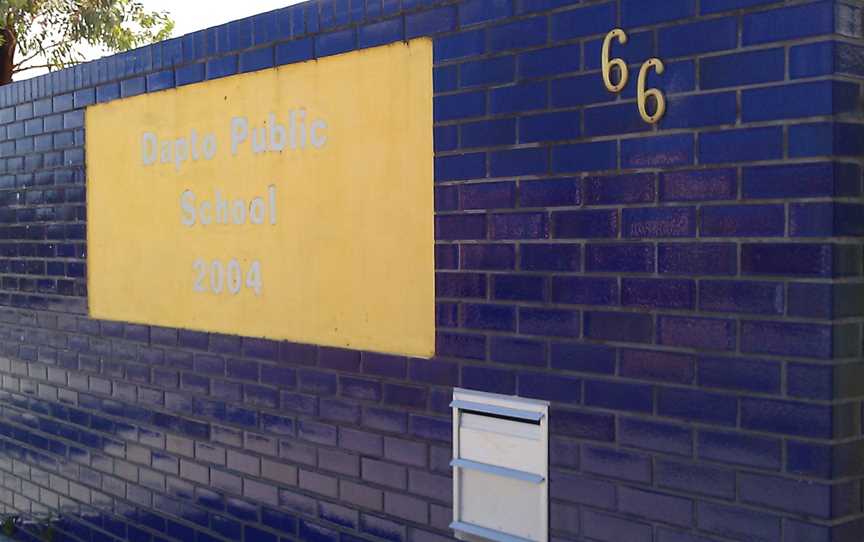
<point>270,136</point>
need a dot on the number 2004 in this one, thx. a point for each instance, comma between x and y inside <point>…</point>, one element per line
<point>216,277</point>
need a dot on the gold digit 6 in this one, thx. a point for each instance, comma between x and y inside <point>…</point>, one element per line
<point>608,63</point>
<point>642,95</point>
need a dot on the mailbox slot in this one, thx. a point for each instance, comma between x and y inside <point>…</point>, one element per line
<point>500,467</point>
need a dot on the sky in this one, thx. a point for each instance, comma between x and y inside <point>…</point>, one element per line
<point>192,15</point>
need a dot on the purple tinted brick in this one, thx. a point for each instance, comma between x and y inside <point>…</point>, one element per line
<point>706,333</point>
<point>405,396</point>
<point>695,478</point>
<point>493,257</point>
<point>518,351</point>
<point>698,258</point>
<point>554,193</point>
<point>549,322</point>
<point>795,496</point>
<point>638,188</point>
<point>519,226</point>
<point>531,161</point>
<point>593,156</point>
<point>549,387</point>
<point>384,365</point>
<point>737,522</point>
<point>741,296</point>
<point>487,195</point>
<point>586,358</point>
<point>790,418</point>
<point>656,506</point>
<point>698,405</point>
<point>585,224</point>
<point>459,167</point>
<point>460,285</point>
<point>740,449</point>
<point>820,260</point>
<point>619,326</point>
<point>558,257</point>
<point>439,372</point>
<point>452,227</point>
<point>807,340</point>
<point>634,258</point>
<point>655,436</point>
<point>619,396</point>
<point>518,288</point>
<point>658,293</point>
<point>491,317</point>
<point>662,151</point>
<point>740,374</point>
<point>659,222</point>
<point>580,424</point>
<point>743,221</point>
<point>699,185</point>
<point>655,365</point>
<point>487,379</point>
<point>460,345</point>
<point>616,464</point>
<point>585,290</point>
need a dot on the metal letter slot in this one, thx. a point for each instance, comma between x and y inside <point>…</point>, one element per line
<point>500,467</point>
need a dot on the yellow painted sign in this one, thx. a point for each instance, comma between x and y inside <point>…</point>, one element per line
<point>293,203</point>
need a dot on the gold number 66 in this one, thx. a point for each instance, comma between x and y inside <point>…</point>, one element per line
<point>608,63</point>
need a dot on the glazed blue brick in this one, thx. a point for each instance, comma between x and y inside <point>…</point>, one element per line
<point>656,436</point>
<point>701,37</point>
<point>697,405</point>
<point>583,21</point>
<point>798,100</point>
<point>221,67</point>
<point>584,157</point>
<point>743,145</point>
<point>801,180</point>
<point>619,326</point>
<point>518,226</point>
<point>492,71</point>
<point>623,465</point>
<point>818,139</point>
<point>132,87</point>
<point>743,221</point>
<point>703,333</point>
<point>579,90</point>
<point>741,296</point>
<point>825,220</point>
<point>106,93</point>
<point>761,66</point>
<point>461,45</point>
<point>445,79</point>
<point>549,387</point>
<point>715,6</point>
<point>554,193</point>
<point>800,259</point>
<point>663,151</point>
<point>488,133</point>
<point>187,75</point>
<point>533,161</point>
<point>655,365</point>
<point>789,23</point>
<point>549,127</point>
<point>701,110</point>
<point>809,459</point>
<point>518,35</point>
<point>500,195</point>
<point>811,381</point>
<point>659,222</point>
<point>516,98</point>
<point>459,106</point>
<point>430,22</point>
<point>751,451</point>
<point>549,322</point>
<point>556,257</point>
<point>639,48</point>
<point>488,379</point>
<point>257,59</point>
<point>637,188</point>
<point>658,293</point>
<point>460,166</point>
<point>811,60</point>
<point>460,345</point>
<point>294,51</point>
<point>614,119</point>
<point>629,257</point>
<point>645,12</point>
<point>493,257</point>
<point>446,138</point>
<point>788,418</point>
<point>695,478</point>
<point>453,227</point>
<point>477,11</point>
<point>790,495</point>
<point>159,80</point>
<point>619,396</point>
<point>334,43</point>
<point>585,224</point>
<point>657,506</point>
<point>518,351</point>
<point>380,33</point>
<point>549,61</point>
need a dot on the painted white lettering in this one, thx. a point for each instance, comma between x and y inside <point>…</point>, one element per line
<point>149,144</point>
<point>239,132</point>
<point>317,139</point>
<point>187,206</point>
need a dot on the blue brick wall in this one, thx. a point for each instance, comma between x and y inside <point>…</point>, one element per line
<point>688,296</point>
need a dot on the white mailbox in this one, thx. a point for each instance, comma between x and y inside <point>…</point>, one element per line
<point>500,467</point>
